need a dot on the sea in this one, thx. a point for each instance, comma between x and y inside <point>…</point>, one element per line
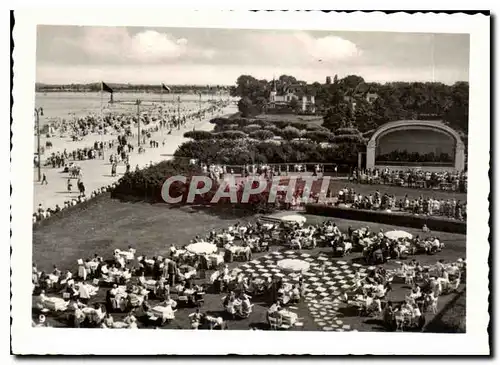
<point>68,105</point>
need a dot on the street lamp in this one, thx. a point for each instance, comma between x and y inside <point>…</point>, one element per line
<point>38,113</point>
<point>138,102</point>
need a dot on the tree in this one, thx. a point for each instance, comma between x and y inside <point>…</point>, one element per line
<point>350,82</point>
<point>338,116</point>
<point>245,106</point>
<point>294,103</point>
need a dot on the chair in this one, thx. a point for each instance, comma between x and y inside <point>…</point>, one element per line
<point>273,323</point>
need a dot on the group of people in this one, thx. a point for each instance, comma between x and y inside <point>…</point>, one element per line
<point>413,178</point>
<point>45,213</point>
<point>148,291</point>
<point>217,171</point>
<point>450,208</point>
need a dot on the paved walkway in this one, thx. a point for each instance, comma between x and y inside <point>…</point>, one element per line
<point>97,173</point>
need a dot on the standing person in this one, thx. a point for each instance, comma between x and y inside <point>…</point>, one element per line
<point>113,169</point>
<point>81,187</point>
<point>44,179</point>
<point>70,185</point>
<point>127,168</point>
<point>172,272</point>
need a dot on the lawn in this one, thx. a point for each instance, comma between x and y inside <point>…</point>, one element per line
<point>452,318</point>
<point>108,224</point>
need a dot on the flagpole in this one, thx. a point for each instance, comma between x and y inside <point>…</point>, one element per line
<point>138,103</point>
<point>179,112</point>
<point>161,94</point>
<point>102,123</point>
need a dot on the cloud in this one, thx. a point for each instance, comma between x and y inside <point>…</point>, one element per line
<point>329,48</point>
<point>127,54</point>
<point>154,46</point>
<point>149,46</point>
<point>292,49</point>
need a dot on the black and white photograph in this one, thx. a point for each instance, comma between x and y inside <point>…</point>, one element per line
<point>245,187</point>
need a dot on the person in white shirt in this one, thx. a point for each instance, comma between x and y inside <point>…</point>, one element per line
<point>196,318</point>
<point>83,292</point>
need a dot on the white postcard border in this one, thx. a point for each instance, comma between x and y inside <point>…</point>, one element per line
<point>28,340</point>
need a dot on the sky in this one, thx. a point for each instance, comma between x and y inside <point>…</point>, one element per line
<point>78,54</point>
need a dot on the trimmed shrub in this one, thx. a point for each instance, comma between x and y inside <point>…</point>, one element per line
<point>349,139</point>
<point>274,129</point>
<point>290,133</point>
<point>316,127</point>
<point>147,183</point>
<point>198,135</point>
<point>230,135</point>
<point>251,128</point>
<point>319,136</point>
<point>262,135</point>
<point>344,131</point>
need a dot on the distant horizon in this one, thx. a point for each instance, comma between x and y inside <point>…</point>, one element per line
<point>199,56</point>
<point>37,83</point>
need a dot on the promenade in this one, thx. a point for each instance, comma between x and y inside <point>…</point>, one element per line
<point>97,173</point>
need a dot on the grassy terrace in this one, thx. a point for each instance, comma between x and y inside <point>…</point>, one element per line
<point>108,224</point>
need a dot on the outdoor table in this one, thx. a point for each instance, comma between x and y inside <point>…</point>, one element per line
<point>294,218</point>
<point>293,265</point>
<point>150,284</point>
<point>226,237</point>
<point>216,260</point>
<point>55,304</point>
<point>202,248</point>
<point>289,318</point>
<point>126,254</point>
<point>163,312</point>
<point>395,235</point>
<point>119,325</point>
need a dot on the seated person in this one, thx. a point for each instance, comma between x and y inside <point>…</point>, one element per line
<point>107,321</point>
<point>196,319</point>
<point>295,294</point>
<point>229,303</point>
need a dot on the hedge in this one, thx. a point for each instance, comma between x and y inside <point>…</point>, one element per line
<point>198,135</point>
<point>241,151</point>
<point>347,130</point>
<point>262,135</point>
<point>231,134</point>
<point>398,219</point>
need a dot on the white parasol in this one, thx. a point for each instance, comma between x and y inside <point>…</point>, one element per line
<point>395,235</point>
<point>293,265</point>
<point>295,218</point>
<point>202,248</point>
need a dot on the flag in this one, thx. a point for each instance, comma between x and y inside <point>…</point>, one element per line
<point>106,88</point>
<point>166,88</point>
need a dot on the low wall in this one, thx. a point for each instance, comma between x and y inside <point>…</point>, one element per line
<point>397,219</point>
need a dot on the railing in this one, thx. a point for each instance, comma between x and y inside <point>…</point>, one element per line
<point>414,163</point>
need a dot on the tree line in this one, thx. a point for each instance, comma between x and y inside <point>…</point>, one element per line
<point>343,102</point>
<point>117,87</point>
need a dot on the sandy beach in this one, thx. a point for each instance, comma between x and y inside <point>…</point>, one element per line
<point>97,173</point>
